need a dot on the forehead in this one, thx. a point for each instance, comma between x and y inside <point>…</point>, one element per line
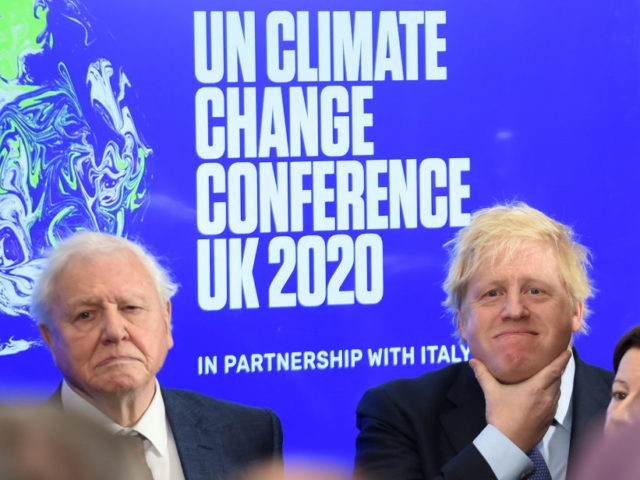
<point>528,258</point>
<point>110,274</point>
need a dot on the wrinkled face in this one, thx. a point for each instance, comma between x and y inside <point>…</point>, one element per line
<point>109,331</point>
<point>517,316</point>
<point>624,407</point>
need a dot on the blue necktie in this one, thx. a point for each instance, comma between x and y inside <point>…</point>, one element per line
<point>540,469</point>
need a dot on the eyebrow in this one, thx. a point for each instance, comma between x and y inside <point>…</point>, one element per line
<point>80,301</point>
<point>97,301</point>
<point>494,282</point>
<point>619,380</point>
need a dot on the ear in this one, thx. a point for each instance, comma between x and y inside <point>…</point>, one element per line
<point>578,317</point>
<point>167,320</point>
<point>46,334</point>
<point>48,337</point>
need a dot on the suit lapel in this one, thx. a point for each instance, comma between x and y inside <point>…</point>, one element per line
<point>201,455</point>
<point>591,395</point>
<point>465,418</point>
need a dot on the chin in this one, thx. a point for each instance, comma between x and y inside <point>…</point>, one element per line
<point>515,372</point>
<point>514,377</point>
<point>121,383</point>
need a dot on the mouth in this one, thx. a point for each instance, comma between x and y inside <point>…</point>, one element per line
<point>516,333</point>
<point>114,360</point>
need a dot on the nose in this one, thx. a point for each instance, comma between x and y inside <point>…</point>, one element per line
<point>114,326</point>
<point>618,415</point>
<point>514,307</point>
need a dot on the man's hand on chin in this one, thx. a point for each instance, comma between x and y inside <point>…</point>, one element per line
<point>523,411</point>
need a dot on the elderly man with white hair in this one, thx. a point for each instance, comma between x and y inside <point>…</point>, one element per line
<point>103,307</point>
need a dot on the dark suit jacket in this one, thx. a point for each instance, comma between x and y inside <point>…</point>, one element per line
<point>424,428</point>
<point>217,438</point>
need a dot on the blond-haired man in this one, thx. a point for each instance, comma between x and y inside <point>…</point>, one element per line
<point>517,287</point>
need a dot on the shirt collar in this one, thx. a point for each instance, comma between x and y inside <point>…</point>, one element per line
<point>152,424</point>
<point>563,412</point>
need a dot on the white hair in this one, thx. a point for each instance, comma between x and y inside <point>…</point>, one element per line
<point>88,244</point>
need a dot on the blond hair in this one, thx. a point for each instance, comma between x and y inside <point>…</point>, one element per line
<point>497,232</point>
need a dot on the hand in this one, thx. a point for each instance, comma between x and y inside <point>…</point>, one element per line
<point>523,411</point>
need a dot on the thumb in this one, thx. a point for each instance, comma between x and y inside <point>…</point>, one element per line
<point>484,377</point>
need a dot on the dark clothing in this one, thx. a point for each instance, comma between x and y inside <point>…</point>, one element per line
<point>423,428</point>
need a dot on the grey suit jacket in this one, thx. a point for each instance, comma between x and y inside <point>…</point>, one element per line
<point>423,428</point>
<point>216,439</point>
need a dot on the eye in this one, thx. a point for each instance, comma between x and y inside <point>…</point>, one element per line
<point>84,319</point>
<point>491,293</point>
<point>535,291</point>
<point>618,395</point>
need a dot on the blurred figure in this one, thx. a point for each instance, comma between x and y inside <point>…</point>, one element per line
<point>612,456</point>
<point>296,471</point>
<point>39,443</point>
<point>624,407</point>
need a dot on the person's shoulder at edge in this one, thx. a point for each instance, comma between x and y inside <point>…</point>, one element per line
<point>223,410</point>
<point>177,395</point>
<point>603,373</point>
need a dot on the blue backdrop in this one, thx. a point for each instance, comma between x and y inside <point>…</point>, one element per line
<point>299,168</point>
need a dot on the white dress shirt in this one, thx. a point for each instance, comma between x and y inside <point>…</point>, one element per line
<point>508,462</point>
<point>160,447</point>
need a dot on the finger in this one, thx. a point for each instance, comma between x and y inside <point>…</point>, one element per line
<point>484,377</point>
<point>552,373</point>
